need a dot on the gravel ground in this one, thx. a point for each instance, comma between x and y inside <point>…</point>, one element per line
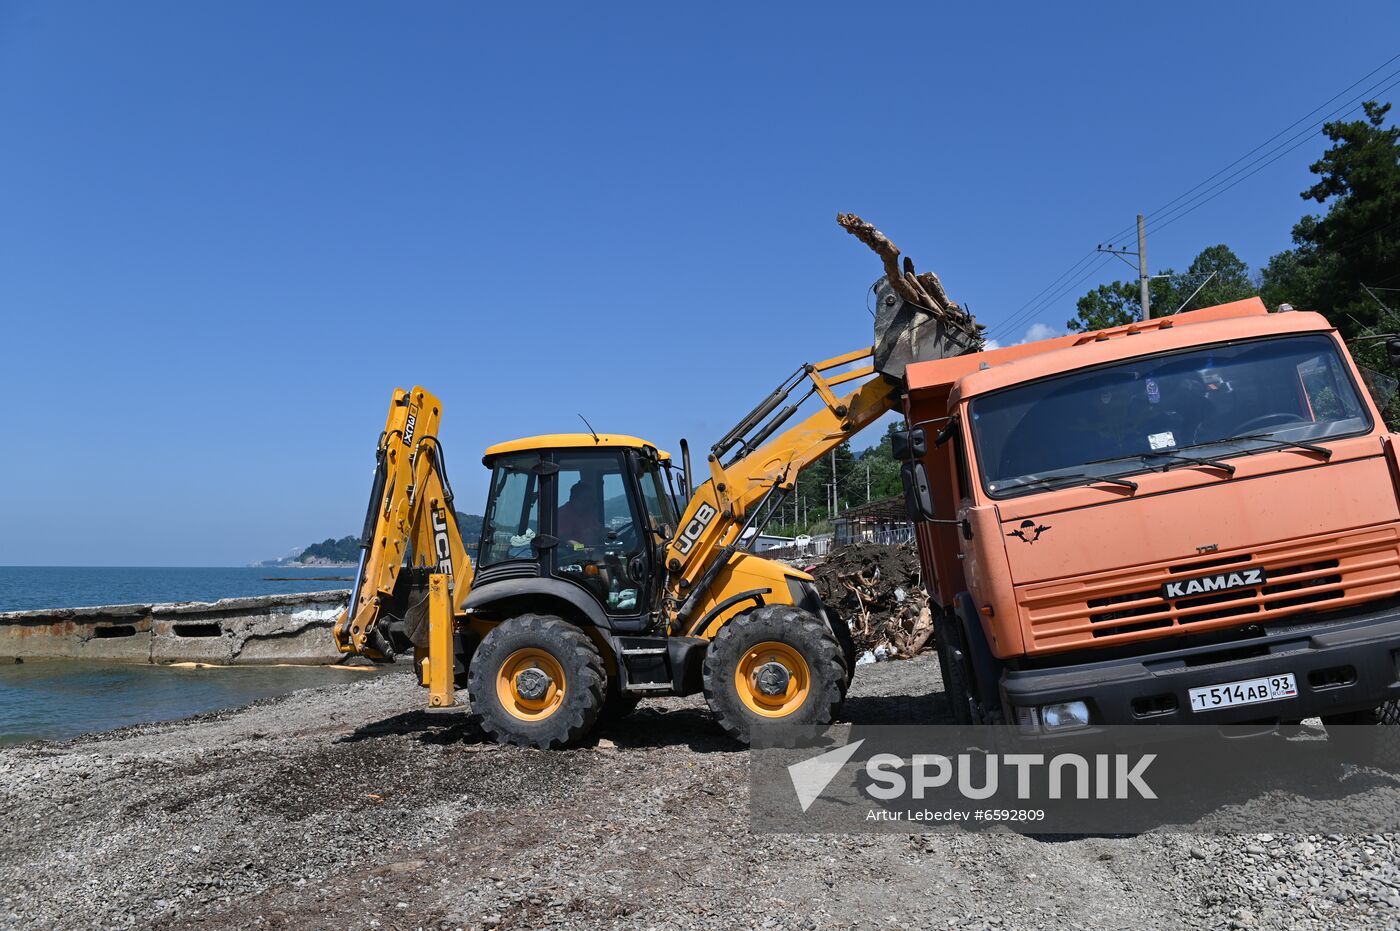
<point>346,807</point>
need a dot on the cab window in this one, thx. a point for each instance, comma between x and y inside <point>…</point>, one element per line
<point>513,510</point>
<point>655,499</point>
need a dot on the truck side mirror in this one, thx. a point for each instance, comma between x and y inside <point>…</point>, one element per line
<point>1392,349</point>
<point>918,497</point>
<point>908,444</point>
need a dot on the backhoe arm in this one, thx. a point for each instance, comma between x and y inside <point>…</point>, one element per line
<point>410,514</point>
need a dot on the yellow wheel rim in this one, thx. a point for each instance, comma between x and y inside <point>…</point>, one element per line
<point>531,703</point>
<point>767,701</point>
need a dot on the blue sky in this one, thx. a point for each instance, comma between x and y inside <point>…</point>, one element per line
<point>228,230</point>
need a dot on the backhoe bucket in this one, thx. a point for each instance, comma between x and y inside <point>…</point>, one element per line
<point>906,333</point>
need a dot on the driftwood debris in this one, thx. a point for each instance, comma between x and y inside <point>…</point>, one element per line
<point>878,591</point>
<point>924,289</point>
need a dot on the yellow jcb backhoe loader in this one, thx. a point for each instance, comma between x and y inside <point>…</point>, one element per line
<point>604,576</point>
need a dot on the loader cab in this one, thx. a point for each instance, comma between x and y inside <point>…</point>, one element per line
<point>592,512</point>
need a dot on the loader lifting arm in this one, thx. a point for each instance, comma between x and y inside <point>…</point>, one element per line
<point>410,522</point>
<point>915,321</point>
<point>745,491</point>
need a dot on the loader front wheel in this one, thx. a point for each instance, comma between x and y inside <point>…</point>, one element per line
<point>774,665</point>
<point>537,681</point>
<point>842,631</point>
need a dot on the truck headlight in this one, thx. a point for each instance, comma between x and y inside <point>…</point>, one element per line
<point>1028,719</point>
<point>1064,715</point>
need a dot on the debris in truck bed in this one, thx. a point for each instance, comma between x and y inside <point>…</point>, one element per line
<point>878,590</point>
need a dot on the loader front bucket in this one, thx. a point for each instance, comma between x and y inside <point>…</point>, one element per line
<point>906,332</point>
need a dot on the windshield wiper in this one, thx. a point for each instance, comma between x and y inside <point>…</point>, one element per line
<point>1192,460</point>
<point>1189,460</point>
<point>1075,478</point>
<point>1280,443</point>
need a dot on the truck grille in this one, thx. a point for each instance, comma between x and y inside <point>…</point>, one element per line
<point>1319,574</point>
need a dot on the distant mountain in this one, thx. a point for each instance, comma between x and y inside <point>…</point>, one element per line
<point>470,525</point>
<point>333,553</point>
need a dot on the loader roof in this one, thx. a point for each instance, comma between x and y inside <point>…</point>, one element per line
<point>570,441</point>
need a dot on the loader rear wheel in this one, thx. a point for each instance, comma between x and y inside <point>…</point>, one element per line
<point>537,681</point>
<point>774,665</point>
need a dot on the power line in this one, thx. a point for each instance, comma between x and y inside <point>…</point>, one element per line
<point>1087,257</point>
<point>1157,210</point>
<point>1161,222</point>
<point>1163,217</point>
<point>1050,300</point>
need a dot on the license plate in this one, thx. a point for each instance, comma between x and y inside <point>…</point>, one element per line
<point>1244,692</point>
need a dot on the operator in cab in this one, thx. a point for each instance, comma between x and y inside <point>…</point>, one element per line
<point>580,518</point>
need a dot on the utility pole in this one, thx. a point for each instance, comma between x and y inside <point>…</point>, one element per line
<point>1143,277</point>
<point>833,485</point>
<point>1142,271</point>
<point>867,483</point>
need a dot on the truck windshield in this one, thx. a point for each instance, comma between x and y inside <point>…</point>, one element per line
<point>1142,414</point>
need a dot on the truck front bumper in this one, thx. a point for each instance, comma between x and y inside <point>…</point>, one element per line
<point>1341,664</point>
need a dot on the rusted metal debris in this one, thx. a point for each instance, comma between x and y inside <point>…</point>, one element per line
<point>924,290</point>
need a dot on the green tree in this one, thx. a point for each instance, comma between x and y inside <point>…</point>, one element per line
<point>814,485</point>
<point>814,491</point>
<point>1226,278</point>
<point>883,468</point>
<point>1357,241</point>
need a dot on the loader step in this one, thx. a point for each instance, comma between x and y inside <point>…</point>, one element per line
<point>644,664</point>
<point>660,665</point>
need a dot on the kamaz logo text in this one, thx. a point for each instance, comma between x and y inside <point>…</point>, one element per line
<point>408,429</point>
<point>440,541</point>
<point>697,526</point>
<point>1244,578</point>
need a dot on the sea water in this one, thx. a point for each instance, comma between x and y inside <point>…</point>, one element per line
<point>57,699</point>
<point>24,588</point>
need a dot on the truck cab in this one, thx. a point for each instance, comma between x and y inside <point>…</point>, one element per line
<point>1188,520</point>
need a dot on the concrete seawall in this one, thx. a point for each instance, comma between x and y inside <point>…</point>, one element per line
<point>263,629</point>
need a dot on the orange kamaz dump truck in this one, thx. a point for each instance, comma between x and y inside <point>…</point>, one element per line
<point>1188,520</point>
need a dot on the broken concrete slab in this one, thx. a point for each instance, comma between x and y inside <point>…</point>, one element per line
<point>263,629</point>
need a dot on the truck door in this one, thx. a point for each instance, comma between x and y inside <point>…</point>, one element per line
<point>601,529</point>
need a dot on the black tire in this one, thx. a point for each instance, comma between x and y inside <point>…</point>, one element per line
<point>956,683</point>
<point>842,631</point>
<point>578,704</point>
<point>1376,741</point>
<point>793,629</point>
